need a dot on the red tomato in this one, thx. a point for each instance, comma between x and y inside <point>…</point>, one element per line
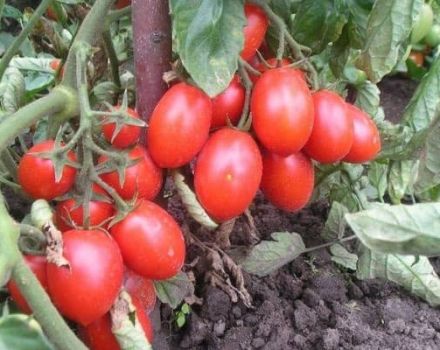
<point>179,126</point>
<point>229,104</point>
<point>332,134</point>
<point>141,288</point>
<point>366,138</point>
<point>143,179</point>
<point>51,14</point>
<point>287,182</point>
<point>417,57</point>
<point>272,62</point>
<point>127,136</point>
<point>87,290</point>
<point>55,65</point>
<point>38,266</point>
<point>282,111</point>
<point>36,175</point>
<point>151,242</point>
<point>254,31</point>
<point>228,173</point>
<point>122,3</point>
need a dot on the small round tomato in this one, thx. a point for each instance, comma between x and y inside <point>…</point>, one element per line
<point>151,242</point>
<point>287,182</point>
<point>228,104</point>
<point>228,173</point>
<point>122,3</point>
<point>366,138</point>
<point>282,111</point>
<point>254,31</point>
<point>36,175</point>
<point>142,179</point>
<point>85,291</point>
<point>38,266</point>
<point>423,24</point>
<point>127,136</point>
<point>179,126</point>
<point>141,288</point>
<point>332,134</point>
<point>433,37</point>
<point>417,57</point>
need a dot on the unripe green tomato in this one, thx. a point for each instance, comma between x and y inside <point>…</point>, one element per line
<point>433,37</point>
<point>423,24</point>
<point>354,76</point>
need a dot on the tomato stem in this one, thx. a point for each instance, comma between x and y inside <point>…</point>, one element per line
<point>247,100</point>
<point>111,53</point>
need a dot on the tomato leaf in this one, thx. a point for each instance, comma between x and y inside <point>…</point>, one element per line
<point>12,88</point>
<point>208,36</point>
<point>268,256</point>
<point>368,98</point>
<point>341,256</point>
<point>377,175</point>
<point>174,290</point>
<point>335,225</point>
<point>401,176</point>
<point>399,229</point>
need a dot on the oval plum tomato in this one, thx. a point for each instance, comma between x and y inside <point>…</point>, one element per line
<point>141,288</point>
<point>127,136</point>
<point>228,104</point>
<point>38,266</point>
<point>332,133</point>
<point>36,175</point>
<point>417,57</point>
<point>143,178</point>
<point>366,139</point>
<point>287,182</point>
<point>228,173</point>
<point>254,31</point>
<point>86,291</point>
<point>423,24</point>
<point>122,3</point>
<point>151,242</point>
<point>179,126</point>
<point>282,111</point>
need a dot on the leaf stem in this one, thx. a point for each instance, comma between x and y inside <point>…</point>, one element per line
<point>325,245</point>
<point>248,90</point>
<point>111,52</point>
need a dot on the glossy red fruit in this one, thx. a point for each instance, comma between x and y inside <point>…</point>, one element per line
<point>366,139</point>
<point>272,62</point>
<point>36,175</point>
<point>287,181</point>
<point>282,111</point>
<point>122,3</point>
<point>38,266</point>
<point>151,242</point>
<point>143,179</point>
<point>228,104</point>
<point>254,31</point>
<point>141,288</point>
<point>179,126</point>
<point>87,290</point>
<point>228,173</point>
<point>332,134</point>
<point>127,136</point>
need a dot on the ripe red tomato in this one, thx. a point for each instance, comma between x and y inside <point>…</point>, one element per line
<point>228,173</point>
<point>417,57</point>
<point>127,136</point>
<point>36,175</point>
<point>261,67</point>
<point>143,179</point>
<point>282,111</point>
<point>122,3</point>
<point>254,31</point>
<point>332,134</point>
<point>87,290</point>
<point>151,242</point>
<point>287,182</point>
<point>179,126</point>
<point>38,266</point>
<point>228,104</point>
<point>366,139</point>
<point>141,288</point>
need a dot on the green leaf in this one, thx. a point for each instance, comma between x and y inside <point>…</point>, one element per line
<point>357,25</point>
<point>12,88</point>
<point>340,51</point>
<point>208,36</point>
<point>174,290</point>
<point>415,274</point>
<point>389,26</point>
<point>181,320</point>
<point>268,256</point>
<point>22,332</point>
<point>335,225</point>
<point>11,12</point>
<point>400,229</point>
<point>318,23</point>
<point>368,98</point>
<point>400,179</point>
<point>343,257</point>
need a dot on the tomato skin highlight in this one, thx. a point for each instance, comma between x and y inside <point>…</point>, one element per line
<point>332,134</point>
<point>87,290</point>
<point>254,31</point>
<point>366,138</point>
<point>228,173</point>
<point>179,126</point>
<point>282,111</point>
<point>287,182</point>
<point>38,266</point>
<point>150,241</point>
<point>127,136</point>
<point>36,175</point>
<point>141,288</point>
<point>228,104</point>
<point>143,179</point>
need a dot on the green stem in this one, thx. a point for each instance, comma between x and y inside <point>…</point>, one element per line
<point>111,52</point>
<point>325,245</point>
<point>12,50</point>
<point>117,14</point>
<point>248,90</point>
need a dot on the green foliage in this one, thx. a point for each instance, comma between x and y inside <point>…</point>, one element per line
<point>174,290</point>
